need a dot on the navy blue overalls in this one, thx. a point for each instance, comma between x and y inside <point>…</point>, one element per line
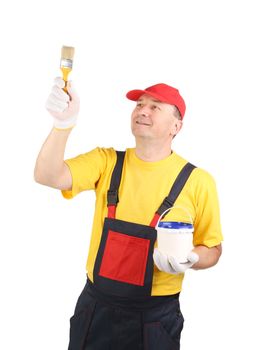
<point>117,311</point>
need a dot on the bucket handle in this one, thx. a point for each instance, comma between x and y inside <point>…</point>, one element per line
<point>174,206</point>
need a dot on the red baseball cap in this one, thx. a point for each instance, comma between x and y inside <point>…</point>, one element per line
<point>163,93</point>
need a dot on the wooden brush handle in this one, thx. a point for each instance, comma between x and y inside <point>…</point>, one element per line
<point>65,72</point>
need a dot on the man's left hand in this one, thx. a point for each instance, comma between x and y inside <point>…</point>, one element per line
<point>171,265</point>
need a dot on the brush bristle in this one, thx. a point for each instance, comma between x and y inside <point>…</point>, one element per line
<point>67,52</point>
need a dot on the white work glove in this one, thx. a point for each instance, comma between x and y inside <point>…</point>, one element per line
<point>63,107</point>
<point>170,265</point>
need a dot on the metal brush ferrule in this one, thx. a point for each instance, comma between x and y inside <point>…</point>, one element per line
<point>66,63</point>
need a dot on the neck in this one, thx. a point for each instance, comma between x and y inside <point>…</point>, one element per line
<point>152,152</point>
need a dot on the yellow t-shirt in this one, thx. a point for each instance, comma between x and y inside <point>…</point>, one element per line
<point>144,185</point>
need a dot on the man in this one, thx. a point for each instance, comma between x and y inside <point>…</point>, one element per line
<point>128,301</point>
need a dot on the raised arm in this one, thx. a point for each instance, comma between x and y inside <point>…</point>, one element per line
<point>50,168</point>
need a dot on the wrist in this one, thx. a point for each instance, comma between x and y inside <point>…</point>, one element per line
<point>65,124</point>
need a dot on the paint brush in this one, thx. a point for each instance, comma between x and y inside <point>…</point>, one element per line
<point>66,62</point>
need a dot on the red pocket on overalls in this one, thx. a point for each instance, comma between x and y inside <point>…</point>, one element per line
<point>125,258</point>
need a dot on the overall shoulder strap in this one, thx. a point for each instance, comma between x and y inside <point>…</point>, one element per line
<point>112,195</point>
<point>176,189</point>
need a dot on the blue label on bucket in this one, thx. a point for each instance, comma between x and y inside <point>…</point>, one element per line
<point>175,225</point>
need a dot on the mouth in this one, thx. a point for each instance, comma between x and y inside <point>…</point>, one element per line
<point>142,123</point>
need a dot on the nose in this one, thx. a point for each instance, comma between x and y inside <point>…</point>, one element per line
<point>144,111</point>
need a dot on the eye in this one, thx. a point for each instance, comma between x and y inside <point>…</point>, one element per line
<point>155,107</point>
<point>139,105</point>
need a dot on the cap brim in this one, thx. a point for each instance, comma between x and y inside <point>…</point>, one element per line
<point>134,95</point>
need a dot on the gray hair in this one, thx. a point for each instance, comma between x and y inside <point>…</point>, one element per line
<point>176,112</point>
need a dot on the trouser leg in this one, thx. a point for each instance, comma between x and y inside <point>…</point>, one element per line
<point>162,327</point>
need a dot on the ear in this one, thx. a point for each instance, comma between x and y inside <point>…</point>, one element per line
<point>176,127</point>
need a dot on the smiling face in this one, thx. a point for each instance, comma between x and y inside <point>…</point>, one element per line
<point>154,120</point>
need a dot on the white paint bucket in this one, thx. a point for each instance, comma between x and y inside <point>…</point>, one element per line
<point>175,238</point>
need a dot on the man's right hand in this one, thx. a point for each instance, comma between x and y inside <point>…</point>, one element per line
<point>64,107</point>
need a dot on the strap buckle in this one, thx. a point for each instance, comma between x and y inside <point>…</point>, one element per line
<point>112,197</point>
<point>166,204</point>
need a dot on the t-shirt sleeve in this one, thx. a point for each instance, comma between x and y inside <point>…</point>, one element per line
<point>207,226</point>
<point>86,170</point>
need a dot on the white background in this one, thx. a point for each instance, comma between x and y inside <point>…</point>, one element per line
<point>209,50</point>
